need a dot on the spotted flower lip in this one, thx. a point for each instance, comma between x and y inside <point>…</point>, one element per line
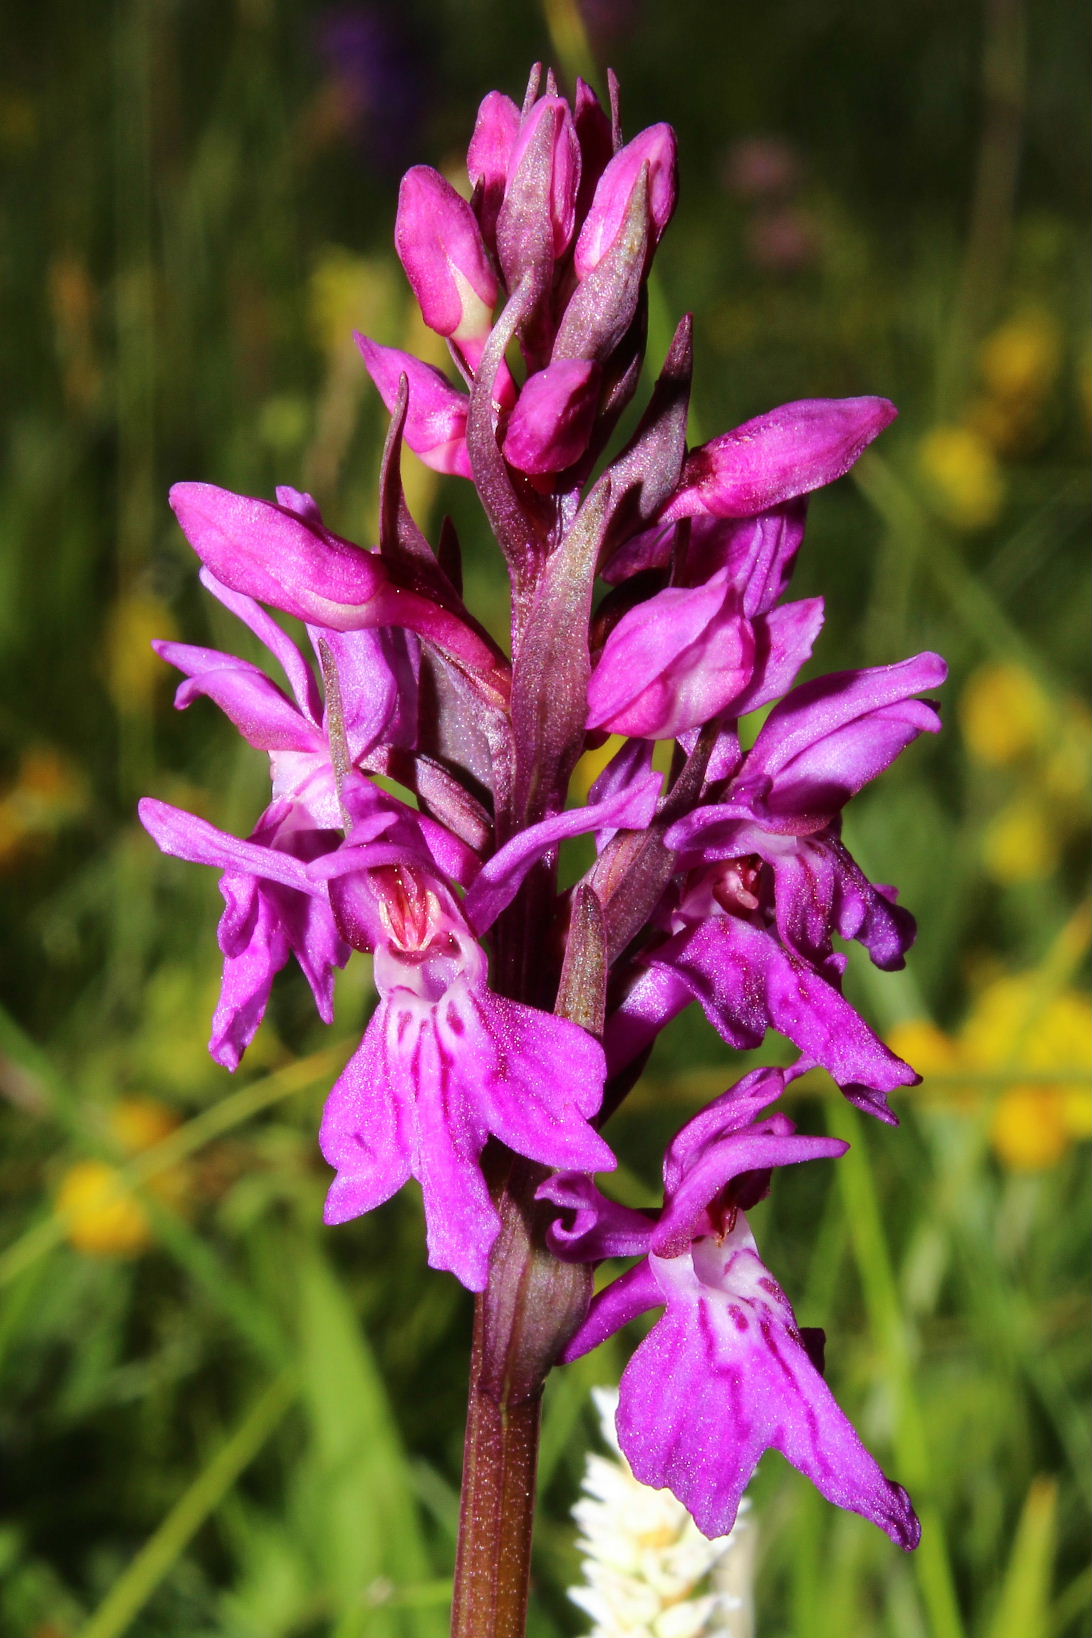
<point>444,1064</point>
<point>726,1372</point>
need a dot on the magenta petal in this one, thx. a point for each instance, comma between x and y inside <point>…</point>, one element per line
<point>787,452</point>
<point>593,1227</point>
<point>264,551</point>
<point>187,837</point>
<point>784,639</point>
<point>672,662</point>
<point>285,558</point>
<point>630,808</point>
<point>771,1143</point>
<point>539,1077</point>
<point>248,979</point>
<point>301,678</point>
<point>363,1132</point>
<point>377,684</point>
<point>259,710</point>
<point>654,147</point>
<point>746,982</point>
<point>758,552</point>
<point>553,418</point>
<point>489,155</point>
<point>829,737</point>
<point>436,415</point>
<point>657,996</point>
<point>869,913</point>
<point>631,1295</point>
<point>726,1115</point>
<point>448,1074</point>
<point>440,246</point>
<point>724,1376</point>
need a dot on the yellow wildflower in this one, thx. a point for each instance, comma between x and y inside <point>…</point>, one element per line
<point>1029,1130</point>
<point>134,672</point>
<point>1021,359</point>
<point>48,792</point>
<point>1023,1035</point>
<point>102,1215</point>
<point>926,1047</point>
<point>1004,713</point>
<point>965,482</point>
<point>137,1124</point>
<point>1021,842</point>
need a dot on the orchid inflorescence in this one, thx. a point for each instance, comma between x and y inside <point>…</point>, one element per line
<point>647,602</point>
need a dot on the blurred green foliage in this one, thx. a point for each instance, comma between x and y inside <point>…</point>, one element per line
<point>217,1419</point>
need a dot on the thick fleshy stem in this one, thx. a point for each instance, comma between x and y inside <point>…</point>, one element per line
<point>530,1309</point>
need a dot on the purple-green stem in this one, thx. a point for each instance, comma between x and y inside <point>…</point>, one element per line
<point>522,1320</point>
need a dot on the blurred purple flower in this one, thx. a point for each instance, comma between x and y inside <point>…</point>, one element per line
<point>374,61</point>
<point>761,167</point>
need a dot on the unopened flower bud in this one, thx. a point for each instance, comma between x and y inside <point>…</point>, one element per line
<point>552,422</point>
<point>538,216</point>
<point>489,155</point>
<point>440,246</point>
<point>655,148</point>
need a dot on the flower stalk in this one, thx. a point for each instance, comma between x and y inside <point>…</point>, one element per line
<point>514,1017</point>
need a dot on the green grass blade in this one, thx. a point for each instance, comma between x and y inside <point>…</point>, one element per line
<point>132,1590</point>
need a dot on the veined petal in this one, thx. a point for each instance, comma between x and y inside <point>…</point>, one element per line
<point>540,1077</point>
<point>758,552</point>
<point>457,1071</point>
<point>656,996</point>
<point>724,1376</point>
<point>376,675</point>
<point>726,1115</point>
<point>248,979</point>
<point>747,982</point>
<point>365,1133</point>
